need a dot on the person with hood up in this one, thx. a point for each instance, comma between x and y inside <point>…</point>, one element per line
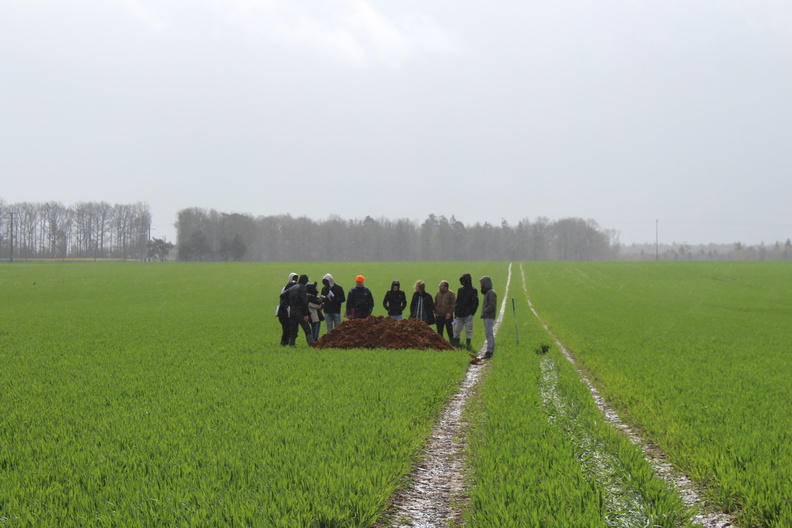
<point>422,305</point>
<point>314,310</point>
<point>444,302</point>
<point>333,297</point>
<point>395,301</point>
<point>488,312</point>
<point>283,310</point>
<point>360,302</point>
<point>465,308</point>
<point>298,311</point>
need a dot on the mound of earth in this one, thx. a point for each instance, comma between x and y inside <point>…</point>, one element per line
<point>383,332</point>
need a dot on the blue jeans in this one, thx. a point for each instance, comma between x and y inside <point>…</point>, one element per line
<point>315,327</point>
<point>332,320</point>
<point>489,331</point>
<point>396,317</point>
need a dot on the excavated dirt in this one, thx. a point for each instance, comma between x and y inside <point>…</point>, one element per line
<point>383,332</point>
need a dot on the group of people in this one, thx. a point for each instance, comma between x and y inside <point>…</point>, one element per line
<point>302,305</point>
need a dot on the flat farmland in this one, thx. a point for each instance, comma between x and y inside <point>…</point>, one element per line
<point>698,356</point>
<point>157,395</point>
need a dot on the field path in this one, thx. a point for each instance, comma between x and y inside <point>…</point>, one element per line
<point>435,494</point>
<point>658,460</point>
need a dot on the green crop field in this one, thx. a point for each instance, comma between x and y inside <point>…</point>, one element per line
<point>540,452</point>
<point>696,355</point>
<point>156,394</point>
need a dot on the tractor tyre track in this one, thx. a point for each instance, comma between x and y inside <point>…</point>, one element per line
<point>435,494</point>
<point>685,487</point>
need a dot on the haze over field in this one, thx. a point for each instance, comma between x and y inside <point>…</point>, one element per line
<point>623,112</point>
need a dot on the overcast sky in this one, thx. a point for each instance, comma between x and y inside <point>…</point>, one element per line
<point>627,112</point>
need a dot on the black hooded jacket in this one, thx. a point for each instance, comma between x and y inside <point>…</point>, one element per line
<point>298,298</point>
<point>333,295</point>
<point>467,297</point>
<point>395,300</point>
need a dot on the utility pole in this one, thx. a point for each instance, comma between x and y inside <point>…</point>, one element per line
<point>657,239</point>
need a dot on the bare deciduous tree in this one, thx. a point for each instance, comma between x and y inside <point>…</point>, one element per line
<point>86,229</point>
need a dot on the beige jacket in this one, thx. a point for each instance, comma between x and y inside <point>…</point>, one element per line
<point>444,303</point>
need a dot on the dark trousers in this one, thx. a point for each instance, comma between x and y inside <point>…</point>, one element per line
<point>448,324</point>
<point>286,329</point>
<point>298,321</point>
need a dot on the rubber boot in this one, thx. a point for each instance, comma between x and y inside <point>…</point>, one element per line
<point>455,342</point>
<point>467,344</point>
<point>291,342</point>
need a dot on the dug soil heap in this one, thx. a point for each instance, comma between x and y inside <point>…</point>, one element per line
<point>383,332</point>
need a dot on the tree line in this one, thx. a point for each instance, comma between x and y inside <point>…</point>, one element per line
<point>82,230</point>
<point>204,235</point>
<point>123,231</point>
<point>736,251</point>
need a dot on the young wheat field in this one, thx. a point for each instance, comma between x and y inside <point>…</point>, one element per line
<point>157,394</point>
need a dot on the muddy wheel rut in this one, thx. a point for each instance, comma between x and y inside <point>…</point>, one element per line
<point>685,487</point>
<point>435,494</point>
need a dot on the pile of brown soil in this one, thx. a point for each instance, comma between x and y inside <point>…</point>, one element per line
<point>383,332</point>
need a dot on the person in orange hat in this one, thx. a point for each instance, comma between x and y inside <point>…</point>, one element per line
<point>360,302</point>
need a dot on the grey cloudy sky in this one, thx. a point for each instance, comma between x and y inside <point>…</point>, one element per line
<point>626,112</point>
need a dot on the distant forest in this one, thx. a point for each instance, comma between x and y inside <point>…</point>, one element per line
<point>735,251</point>
<point>100,230</point>
<point>210,235</point>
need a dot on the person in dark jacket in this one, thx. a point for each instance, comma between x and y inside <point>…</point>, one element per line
<point>298,311</point>
<point>422,305</point>
<point>314,310</point>
<point>395,301</point>
<point>466,307</point>
<point>283,310</point>
<point>360,302</point>
<point>488,312</point>
<point>333,298</point>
